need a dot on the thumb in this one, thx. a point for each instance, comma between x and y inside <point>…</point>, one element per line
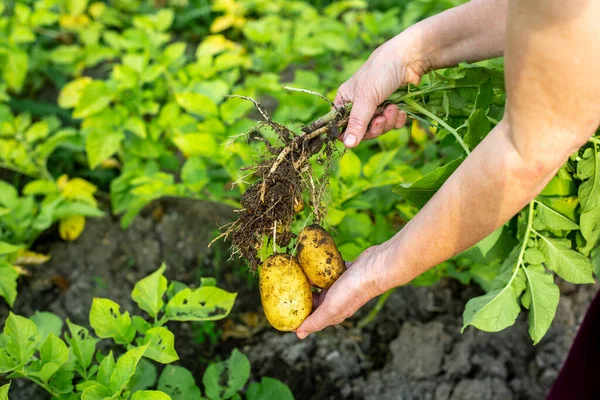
<point>315,322</point>
<point>360,116</point>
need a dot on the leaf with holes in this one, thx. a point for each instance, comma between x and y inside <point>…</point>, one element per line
<point>223,380</point>
<point>108,322</point>
<point>148,293</point>
<point>203,304</point>
<point>162,345</point>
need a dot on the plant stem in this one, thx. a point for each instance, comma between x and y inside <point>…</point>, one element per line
<point>418,107</point>
<point>594,139</point>
<point>375,311</point>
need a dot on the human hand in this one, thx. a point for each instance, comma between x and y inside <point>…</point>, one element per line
<point>358,284</point>
<point>390,66</point>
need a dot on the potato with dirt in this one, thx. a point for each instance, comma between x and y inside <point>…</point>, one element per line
<point>285,292</point>
<point>319,257</point>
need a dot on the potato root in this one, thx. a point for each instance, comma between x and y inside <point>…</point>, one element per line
<point>318,256</point>
<point>285,292</point>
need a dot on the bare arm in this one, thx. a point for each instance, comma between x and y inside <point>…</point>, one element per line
<point>553,108</point>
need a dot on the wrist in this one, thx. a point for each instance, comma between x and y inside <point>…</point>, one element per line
<point>393,266</point>
<point>414,59</point>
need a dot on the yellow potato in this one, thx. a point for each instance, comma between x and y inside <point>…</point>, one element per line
<point>284,292</point>
<point>319,257</point>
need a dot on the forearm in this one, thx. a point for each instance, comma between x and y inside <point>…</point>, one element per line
<point>472,32</point>
<point>553,107</point>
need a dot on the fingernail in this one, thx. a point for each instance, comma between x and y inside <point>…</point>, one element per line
<point>350,140</point>
<point>302,335</point>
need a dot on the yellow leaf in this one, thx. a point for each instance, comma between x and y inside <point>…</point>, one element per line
<point>96,9</point>
<point>74,22</point>
<point>78,189</point>
<point>418,134</point>
<point>62,181</point>
<point>21,270</point>
<point>110,163</point>
<point>71,93</point>
<point>214,44</point>
<point>26,257</point>
<point>70,228</point>
<point>239,22</point>
<point>221,23</point>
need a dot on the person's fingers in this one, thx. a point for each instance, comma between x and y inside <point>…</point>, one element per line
<point>318,298</point>
<point>360,116</point>
<point>318,320</point>
<point>401,121</point>
<point>391,116</point>
<point>376,127</point>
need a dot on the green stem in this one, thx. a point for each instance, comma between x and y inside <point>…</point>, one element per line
<point>594,139</point>
<point>426,90</point>
<point>418,107</point>
<point>375,311</point>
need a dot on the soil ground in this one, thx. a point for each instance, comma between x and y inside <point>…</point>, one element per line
<point>412,351</point>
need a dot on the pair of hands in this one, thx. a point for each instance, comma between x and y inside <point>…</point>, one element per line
<point>385,71</point>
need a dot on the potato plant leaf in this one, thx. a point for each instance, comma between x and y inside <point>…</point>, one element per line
<point>422,190</point>
<point>179,383</point>
<point>162,345</point>
<point>148,293</point>
<point>553,219</point>
<point>570,265</point>
<point>150,395</point>
<point>589,197</point>
<point>543,295</point>
<point>269,388</point>
<point>4,391</point>
<point>203,304</point>
<point>125,368</point>
<point>108,322</point>
<point>223,380</point>
<point>8,282</point>
<point>82,345</point>
<point>22,337</point>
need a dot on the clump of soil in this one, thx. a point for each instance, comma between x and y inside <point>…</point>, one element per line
<point>284,178</point>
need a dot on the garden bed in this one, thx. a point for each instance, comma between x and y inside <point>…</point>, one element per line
<point>413,349</point>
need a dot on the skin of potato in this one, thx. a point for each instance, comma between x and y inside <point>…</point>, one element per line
<point>285,292</point>
<point>319,257</point>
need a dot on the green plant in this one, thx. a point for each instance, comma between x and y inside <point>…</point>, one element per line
<point>72,367</point>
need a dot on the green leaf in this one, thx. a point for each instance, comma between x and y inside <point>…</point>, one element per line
<point>8,282</point>
<point>125,368</point>
<point>553,219</point>
<point>137,126</point>
<point>484,96</point>
<point>422,190</point>
<point>478,127</point>
<point>144,377</point>
<point>267,389</point>
<point>350,167</point>
<point>534,256</point>
<point>544,295</point>
<point>82,346</point>
<point>203,304</point>
<point>497,309</point>
<point>150,395</point>
<point>108,322</point>
<point>223,380</point>
<point>162,345</point>
<point>96,391</point>
<point>377,163</point>
<point>40,187</point>
<point>105,370</point>
<point>148,292</point>
<point>9,197</point>
<point>15,68</point>
<point>22,336</point>
<point>4,391</point>
<point>589,197</point>
<point>196,144</point>
<point>195,174</point>
<point>47,323</point>
<point>489,241</point>
<point>101,145</point>
<point>7,248</point>
<point>179,383</point>
<point>96,96</point>
<point>196,103</point>
<point>54,354</point>
<point>570,265</point>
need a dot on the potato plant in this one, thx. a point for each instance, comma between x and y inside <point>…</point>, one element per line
<point>74,368</point>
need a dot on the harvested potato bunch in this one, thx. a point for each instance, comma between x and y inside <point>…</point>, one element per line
<point>285,292</point>
<point>319,257</point>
